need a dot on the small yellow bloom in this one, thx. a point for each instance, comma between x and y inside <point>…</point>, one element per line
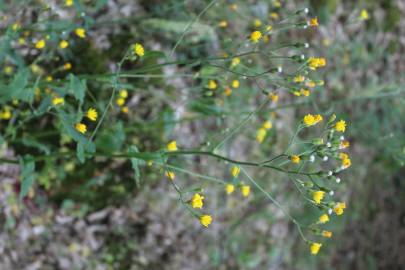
<point>343,156</point>
<point>16,26</point>
<point>63,44</point>
<point>49,78</point>
<point>170,175</point>
<point>273,97</point>
<point>255,36</point>
<point>58,101</point>
<point>235,61</point>
<point>364,15</point>
<point>344,144</point>
<point>313,22</point>
<point>235,170</point>
<point>205,220</point>
<point>235,84</point>
<point>317,196</point>
<point>346,163</point>
<point>139,50</point>
<point>80,32</point>
<point>197,201</point>
<point>21,41</point>
<point>261,134</point>
<point>123,93</point>
<point>315,247</point>
<point>125,109</point>
<point>340,126</point>
<point>172,146</point>
<point>323,219</point>
<point>305,92</point>
<point>295,159</point>
<point>315,62</point>
<point>229,188</point>
<point>327,234</point>
<point>297,93</point>
<point>339,208</point>
<point>267,125</point>
<point>92,114</point>
<point>227,91</point>
<point>318,118</point>
<point>299,79</point>
<point>5,114</point>
<point>120,101</point>
<point>40,44</point>
<point>245,189</point>
<point>67,66</point>
<point>269,28</point>
<point>69,3</point>
<point>257,23</point>
<point>212,85</point>
<point>223,24</point>
<point>81,128</point>
<point>309,120</point>
<point>274,15</point>
<point>8,70</point>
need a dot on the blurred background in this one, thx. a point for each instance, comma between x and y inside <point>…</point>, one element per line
<point>86,216</point>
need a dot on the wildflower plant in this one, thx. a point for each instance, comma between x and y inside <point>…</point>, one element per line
<point>52,114</point>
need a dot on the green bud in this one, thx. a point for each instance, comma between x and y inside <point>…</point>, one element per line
<point>317,141</point>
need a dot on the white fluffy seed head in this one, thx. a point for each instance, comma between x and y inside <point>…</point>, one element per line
<point>302,56</point>
<point>337,180</point>
<point>328,144</point>
<point>306,10</point>
<point>280,69</point>
<point>330,173</point>
<point>311,158</point>
<point>305,26</point>
<point>342,138</point>
<point>325,158</point>
<point>331,193</point>
<point>306,45</point>
<point>330,211</point>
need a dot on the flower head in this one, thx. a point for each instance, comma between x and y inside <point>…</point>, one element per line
<point>327,234</point>
<point>295,159</point>
<point>223,24</point>
<point>323,219</point>
<point>40,44</point>
<point>299,78</point>
<point>81,128</point>
<point>212,85</point>
<point>255,36</point>
<point>313,22</point>
<point>261,134</point>
<point>58,101</point>
<point>205,220</point>
<point>235,170</point>
<point>364,15</point>
<point>339,208</point>
<point>315,247</point>
<point>344,144</point>
<point>63,44</point>
<point>67,66</point>
<point>340,126</point>
<point>235,84</point>
<point>80,32</point>
<point>91,114</point>
<point>123,93</point>
<point>197,201</point>
<point>171,175</point>
<point>229,188</point>
<point>172,146</point>
<point>139,50</point>
<point>267,125</point>
<point>235,61</point>
<point>120,101</point>
<point>317,196</point>
<point>273,97</point>
<point>245,189</point>
<point>309,120</point>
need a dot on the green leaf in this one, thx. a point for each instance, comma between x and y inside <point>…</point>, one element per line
<point>111,139</point>
<point>135,165</point>
<point>77,87</point>
<point>27,174</point>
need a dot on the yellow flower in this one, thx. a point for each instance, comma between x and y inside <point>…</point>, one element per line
<point>273,97</point>
<point>92,114</point>
<point>295,159</point>
<point>323,219</point>
<point>313,22</point>
<point>227,91</point>
<point>327,234</point>
<point>120,101</point>
<point>63,44</point>
<point>315,247</point>
<point>197,201</point>
<point>314,62</point>
<point>212,85</point>
<point>343,156</point>
<point>69,3</point>
<point>340,126</point>
<point>233,7</point>
<point>309,120</point>
<point>299,79</point>
<point>255,36</point>
<point>5,114</point>
<point>67,66</point>
<point>274,15</point>
<point>229,188</point>
<point>245,189</point>
<point>172,146</point>
<point>123,93</point>
<point>235,83</point>
<point>125,109</point>
<point>317,196</point>
<point>305,92</point>
<point>81,128</point>
<point>257,23</point>
<point>364,15</point>
<point>80,32</point>
<point>297,93</point>
<point>267,125</point>
<point>139,50</point>
<point>223,24</point>
<point>170,175</point>
<point>346,163</point>
<point>235,170</point>
<point>261,134</point>
<point>49,78</point>
<point>40,44</point>
<point>235,61</point>
<point>16,26</point>
<point>8,70</point>
<point>269,28</point>
<point>318,118</point>
<point>58,101</point>
<point>339,208</point>
<point>205,220</point>
<point>310,84</point>
<point>344,144</point>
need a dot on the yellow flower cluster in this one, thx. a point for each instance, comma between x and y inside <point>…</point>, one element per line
<point>310,120</point>
<point>120,101</point>
<point>314,62</point>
